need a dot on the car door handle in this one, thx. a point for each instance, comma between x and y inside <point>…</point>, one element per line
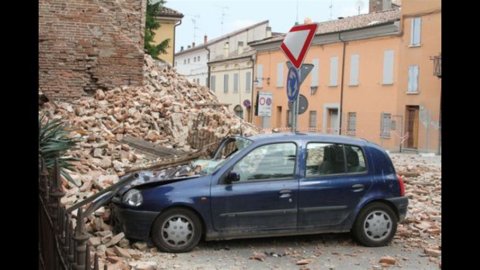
<point>358,187</point>
<point>285,193</point>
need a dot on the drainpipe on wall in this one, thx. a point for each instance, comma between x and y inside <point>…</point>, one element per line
<point>174,31</point>
<point>208,67</point>
<point>250,115</point>
<point>341,83</point>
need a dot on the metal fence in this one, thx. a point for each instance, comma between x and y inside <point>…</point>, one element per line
<point>61,246</point>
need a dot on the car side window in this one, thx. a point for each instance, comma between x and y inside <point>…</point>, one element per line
<point>355,159</point>
<point>324,159</point>
<point>273,161</point>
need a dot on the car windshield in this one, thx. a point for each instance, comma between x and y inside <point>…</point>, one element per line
<point>227,149</point>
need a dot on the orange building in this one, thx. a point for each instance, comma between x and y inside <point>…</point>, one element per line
<point>369,80</point>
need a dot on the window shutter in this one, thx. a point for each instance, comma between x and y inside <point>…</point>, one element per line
<point>235,83</point>
<point>225,83</point>
<point>314,73</point>
<point>280,74</point>
<point>260,75</point>
<point>212,83</point>
<point>333,71</point>
<point>388,67</point>
<point>248,82</point>
<point>354,69</point>
<point>416,28</point>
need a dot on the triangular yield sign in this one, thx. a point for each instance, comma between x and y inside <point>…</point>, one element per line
<point>296,42</point>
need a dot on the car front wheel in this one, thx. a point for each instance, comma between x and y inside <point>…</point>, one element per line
<point>375,225</point>
<point>176,230</point>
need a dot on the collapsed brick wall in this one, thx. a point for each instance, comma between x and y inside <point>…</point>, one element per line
<point>85,45</point>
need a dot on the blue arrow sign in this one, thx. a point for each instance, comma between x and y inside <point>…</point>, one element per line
<point>292,84</point>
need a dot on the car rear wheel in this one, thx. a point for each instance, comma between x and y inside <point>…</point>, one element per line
<point>176,230</point>
<point>375,225</point>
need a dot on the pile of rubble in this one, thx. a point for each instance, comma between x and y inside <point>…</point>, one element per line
<point>168,111</point>
<point>422,227</point>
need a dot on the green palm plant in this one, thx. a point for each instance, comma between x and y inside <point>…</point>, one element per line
<point>54,143</point>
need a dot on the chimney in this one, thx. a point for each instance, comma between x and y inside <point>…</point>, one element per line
<point>188,47</point>
<point>269,31</point>
<point>205,39</point>
<point>240,47</point>
<point>193,44</point>
<point>379,5</point>
<point>225,49</point>
<point>181,48</point>
<point>340,18</point>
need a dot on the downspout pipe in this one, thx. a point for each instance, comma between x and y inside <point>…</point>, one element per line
<point>342,82</point>
<point>208,67</point>
<point>174,34</point>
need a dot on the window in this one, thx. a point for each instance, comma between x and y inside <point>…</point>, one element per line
<point>194,59</point>
<point>235,83</point>
<point>416,29</point>
<point>280,75</point>
<point>412,79</point>
<point>352,123</point>
<point>206,81</point>
<point>385,125</point>
<point>212,83</point>
<point>188,60</point>
<point>388,67</point>
<point>248,82</point>
<point>355,159</point>
<point>260,75</point>
<point>354,59</point>
<point>176,63</point>
<point>333,71</point>
<point>198,58</point>
<point>324,159</point>
<point>184,61</point>
<point>314,73</point>
<point>312,119</point>
<point>289,118</point>
<point>273,161</point>
<point>225,83</point>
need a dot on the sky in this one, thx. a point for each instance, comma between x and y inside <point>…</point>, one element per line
<point>217,17</point>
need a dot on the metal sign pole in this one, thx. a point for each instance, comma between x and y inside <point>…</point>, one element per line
<point>296,103</point>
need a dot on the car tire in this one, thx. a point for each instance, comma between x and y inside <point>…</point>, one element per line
<point>375,225</point>
<point>176,230</point>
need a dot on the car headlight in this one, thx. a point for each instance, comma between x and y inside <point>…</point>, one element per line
<point>133,197</point>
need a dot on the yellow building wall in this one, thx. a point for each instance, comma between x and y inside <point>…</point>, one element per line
<point>369,99</point>
<point>429,90</point>
<point>166,31</point>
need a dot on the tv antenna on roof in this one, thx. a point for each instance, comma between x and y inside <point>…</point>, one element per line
<point>195,27</point>
<point>359,5</point>
<point>223,15</point>
<point>331,7</point>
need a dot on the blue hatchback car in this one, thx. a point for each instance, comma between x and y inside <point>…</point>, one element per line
<point>267,185</point>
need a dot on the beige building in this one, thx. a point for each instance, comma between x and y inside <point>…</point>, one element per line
<point>169,19</point>
<point>375,76</point>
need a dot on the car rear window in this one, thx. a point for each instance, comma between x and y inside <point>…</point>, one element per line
<point>329,158</point>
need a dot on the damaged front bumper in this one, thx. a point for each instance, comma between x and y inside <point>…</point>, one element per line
<point>135,224</point>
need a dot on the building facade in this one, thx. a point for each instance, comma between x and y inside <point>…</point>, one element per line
<point>192,62</point>
<point>169,19</point>
<point>372,78</point>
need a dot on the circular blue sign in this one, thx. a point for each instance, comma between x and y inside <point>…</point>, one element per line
<point>292,84</point>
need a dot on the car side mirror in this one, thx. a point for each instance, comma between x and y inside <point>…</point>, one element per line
<point>232,177</point>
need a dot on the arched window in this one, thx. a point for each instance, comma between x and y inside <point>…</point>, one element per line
<point>238,111</point>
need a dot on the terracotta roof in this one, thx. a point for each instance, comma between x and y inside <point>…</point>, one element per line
<point>348,23</point>
<point>168,12</point>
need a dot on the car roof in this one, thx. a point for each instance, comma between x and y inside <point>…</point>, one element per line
<point>308,137</point>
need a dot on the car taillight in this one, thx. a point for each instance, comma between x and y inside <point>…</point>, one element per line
<point>402,185</point>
